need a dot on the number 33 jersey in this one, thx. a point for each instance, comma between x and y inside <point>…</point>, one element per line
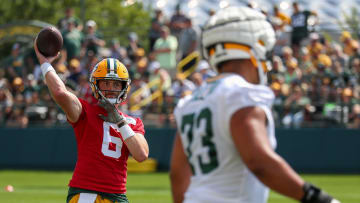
<point>102,154</point>
<point>203,120</point>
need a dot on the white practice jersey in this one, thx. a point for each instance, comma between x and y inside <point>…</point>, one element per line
<point>203,120</point>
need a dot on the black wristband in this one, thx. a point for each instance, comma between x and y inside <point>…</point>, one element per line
<point>313,194</point>
<point>121,123</point>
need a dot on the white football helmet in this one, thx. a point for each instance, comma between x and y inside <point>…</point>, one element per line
<point>239,33</point>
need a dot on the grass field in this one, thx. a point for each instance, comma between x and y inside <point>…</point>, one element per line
<point>51,187</point>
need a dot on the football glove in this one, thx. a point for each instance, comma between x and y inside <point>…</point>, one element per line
<point>314,194</point>
<point>113,115</point>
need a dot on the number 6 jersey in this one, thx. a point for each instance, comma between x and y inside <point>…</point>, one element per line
<point>102,155</point>
<point>203,120</point>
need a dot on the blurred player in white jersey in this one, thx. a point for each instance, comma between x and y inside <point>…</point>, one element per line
<point>224,148</point>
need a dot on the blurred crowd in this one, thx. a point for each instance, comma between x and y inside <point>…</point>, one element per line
<point>315,78</point>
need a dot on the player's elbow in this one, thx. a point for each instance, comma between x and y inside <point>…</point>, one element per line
<point>141,156</point>
<point>58,94</point>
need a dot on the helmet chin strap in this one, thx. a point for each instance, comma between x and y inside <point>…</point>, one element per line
<point>261,74</point>
<point>111,100</point>
<point>259,64</point>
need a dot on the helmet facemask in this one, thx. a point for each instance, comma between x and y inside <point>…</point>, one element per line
<point>121,94</point>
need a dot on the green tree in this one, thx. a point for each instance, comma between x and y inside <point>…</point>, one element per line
<point>351,22</point>
<point>114,19</point>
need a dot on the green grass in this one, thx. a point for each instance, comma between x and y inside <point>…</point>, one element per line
<point>51,187</point>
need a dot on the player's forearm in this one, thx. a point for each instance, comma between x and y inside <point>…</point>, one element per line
<point>177,192</point>
<point>279,176</point>
<point>68,102</point>
<point>138,147</point>
<point>55,84</point>
<point>180,171</point>
<point>179,185</point>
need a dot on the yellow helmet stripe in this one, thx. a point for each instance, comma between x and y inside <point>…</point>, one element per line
<point>243,48</point>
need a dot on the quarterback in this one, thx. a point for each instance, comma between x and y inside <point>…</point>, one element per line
<point>105,136</point>
<point>224,147</point>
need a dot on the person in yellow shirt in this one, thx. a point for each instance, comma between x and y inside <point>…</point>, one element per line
<point>285,19</point>
<point>350,45</point>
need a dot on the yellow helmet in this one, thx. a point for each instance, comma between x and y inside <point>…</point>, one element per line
<point>110,69</point>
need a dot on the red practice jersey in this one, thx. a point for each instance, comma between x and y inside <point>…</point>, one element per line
<point>102,154</point>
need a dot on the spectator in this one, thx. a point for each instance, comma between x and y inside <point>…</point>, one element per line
<point>295,106</point>
<point>136,84</point>
<point>278,108</point>
<point>17,86</point>
<point>155,30</point>
<point>340,77</point>
<point>30,63</point>
<point>133,45</point>
<point>117,51</point>
<point>93,40</point>
<point>205,70</point>
<point>350,45</point>
<point>75,71</point>
<point>354,117</point>
<point>282,38</point>
<point>197,79</point>
<point>157,72</point>
<point>305,63</point>
<point>6,103</point>
<point>62,71</point>
<point>293,73</point>
<point>84,89</point>
<point>299,24</point>
<point>355,71</point>
<point>177,22</point>
<point>314,45</point>
<point>89,62</point>
<point>287,54</point>
<point>62,23</point>
<point>141,65</point>
<point>277,70</point>
<point>187,39</point>
<point>284,19</point>
<point>17,119</point>
<point>182,87</point>
<point>73,39</point>
<point>165,51</point>
<point>339,55</point>
<point>16,68</point>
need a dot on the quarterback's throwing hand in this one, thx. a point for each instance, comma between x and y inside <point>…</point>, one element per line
<point>113,115</point>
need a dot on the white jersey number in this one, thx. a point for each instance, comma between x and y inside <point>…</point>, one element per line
<point>111,145</point>
<point>200,125</point>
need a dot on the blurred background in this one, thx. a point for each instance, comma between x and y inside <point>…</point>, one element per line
<point>322,69</point>
<point>315,76</point>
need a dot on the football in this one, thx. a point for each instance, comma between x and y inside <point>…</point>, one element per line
<point>49,41</point>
